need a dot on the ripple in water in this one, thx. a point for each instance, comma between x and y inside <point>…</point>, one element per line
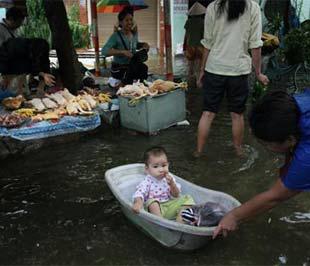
<point>83,200</point>
<point>19,190</point>
<point>297,217</point>
<point>251,154</point>
<point>282,259</point>
<point>15,213</point>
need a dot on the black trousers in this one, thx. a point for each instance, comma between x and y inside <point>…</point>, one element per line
<point>128,73</point>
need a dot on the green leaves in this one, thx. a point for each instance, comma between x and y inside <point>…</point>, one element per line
<point>37,26</point>
<point>258,91</point>
<point>80,33</point>
<point>297,45</point>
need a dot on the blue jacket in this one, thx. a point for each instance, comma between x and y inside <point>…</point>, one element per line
<point>298,175</point>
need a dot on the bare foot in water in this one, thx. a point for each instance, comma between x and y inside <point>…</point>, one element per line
<point>240,152</point>
<point>197,154</point>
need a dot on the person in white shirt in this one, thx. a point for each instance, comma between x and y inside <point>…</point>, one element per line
<point>232,28</point>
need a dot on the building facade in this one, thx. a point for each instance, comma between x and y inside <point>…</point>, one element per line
<point>149,21</point>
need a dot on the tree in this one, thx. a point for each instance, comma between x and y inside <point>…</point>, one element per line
<point>36,25</point>
<point>62,41</point>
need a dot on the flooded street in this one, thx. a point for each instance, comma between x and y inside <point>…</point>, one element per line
<point>56,208</point>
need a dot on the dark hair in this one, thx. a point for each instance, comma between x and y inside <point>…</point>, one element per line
<point>39,52</point>
<point>235,8</point>
<point>275,117</point>
<point>14,14</point>
<point>127,10</point>
<point>153,151</point>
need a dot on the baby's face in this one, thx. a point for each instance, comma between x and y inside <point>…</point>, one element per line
<point>158,166</point>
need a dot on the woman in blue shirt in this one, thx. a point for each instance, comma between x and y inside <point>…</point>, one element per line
<point>281,122</point>
<point>122,45</point>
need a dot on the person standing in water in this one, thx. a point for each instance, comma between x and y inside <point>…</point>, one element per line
<point>232,28</point>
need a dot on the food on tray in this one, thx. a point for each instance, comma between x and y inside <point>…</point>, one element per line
<point>92,92</point>
<point>104,98</point>
<point>90,100</point>
<point>67,95</point>
<point>26,112</point>
<point>11,120</point>
<point>46,116</point>
<point>61,111</point>
<point>49,104</point>
<point>74,108</point>
<point>164,86</point>
<point>84,104</point>
<point>59,105</point>
<point>138,90</point>
<point>37,104</point>
<point>13,103</point>
<point>58,98</point>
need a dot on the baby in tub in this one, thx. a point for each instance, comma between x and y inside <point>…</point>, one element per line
<point>159,192</point>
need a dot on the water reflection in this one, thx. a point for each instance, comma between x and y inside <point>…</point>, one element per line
<point>57,209</point>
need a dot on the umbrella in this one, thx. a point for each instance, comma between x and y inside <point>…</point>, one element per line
<point>115,6</point>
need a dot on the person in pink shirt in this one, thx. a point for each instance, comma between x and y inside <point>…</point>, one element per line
<point>159,192</point>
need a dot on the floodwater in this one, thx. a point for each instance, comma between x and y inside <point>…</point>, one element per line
<point>56,208</point>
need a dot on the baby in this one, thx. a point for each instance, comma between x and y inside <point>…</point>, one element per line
<point>159,192</point>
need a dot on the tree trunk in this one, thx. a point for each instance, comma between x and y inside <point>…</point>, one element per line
<point>62,41</point>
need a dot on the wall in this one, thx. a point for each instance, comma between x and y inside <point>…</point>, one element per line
<point>179,10</point>
<point>305,11</point>
<point>2,13</point>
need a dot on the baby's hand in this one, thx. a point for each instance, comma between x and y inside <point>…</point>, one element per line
<point>169,179</point>
<point>137,206</point>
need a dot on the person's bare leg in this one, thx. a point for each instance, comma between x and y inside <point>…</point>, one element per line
<point>198,62</point>
<point>203,130</point>
<point>191,64</point>
<point>237,131</point>
<point>155,209</point>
